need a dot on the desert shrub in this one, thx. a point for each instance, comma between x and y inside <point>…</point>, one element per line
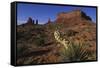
<point>71,33</point>
<point>56,26</point>
<point>23,35</point>
<point>39,41</point>
<point>20,35</point>
<point>21,49</point>
<point>75,52</point>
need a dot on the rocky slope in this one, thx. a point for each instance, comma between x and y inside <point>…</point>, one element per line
<point>36,43</point>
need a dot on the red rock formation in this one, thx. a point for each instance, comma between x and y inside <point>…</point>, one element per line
<point>30,21</point>
<point>68,17</point>
<point>37,22</point>
<point>49,21</point>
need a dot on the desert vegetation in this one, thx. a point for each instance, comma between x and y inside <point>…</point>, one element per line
<point>63,40</point>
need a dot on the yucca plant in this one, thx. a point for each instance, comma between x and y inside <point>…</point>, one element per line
<point>75,52</point>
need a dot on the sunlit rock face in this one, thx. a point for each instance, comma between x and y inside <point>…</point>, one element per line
<point>67,17</point>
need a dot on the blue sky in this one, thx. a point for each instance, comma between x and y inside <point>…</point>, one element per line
<point>44,12</point>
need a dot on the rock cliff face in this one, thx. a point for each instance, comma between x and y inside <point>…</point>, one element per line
<point>67,17</point>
